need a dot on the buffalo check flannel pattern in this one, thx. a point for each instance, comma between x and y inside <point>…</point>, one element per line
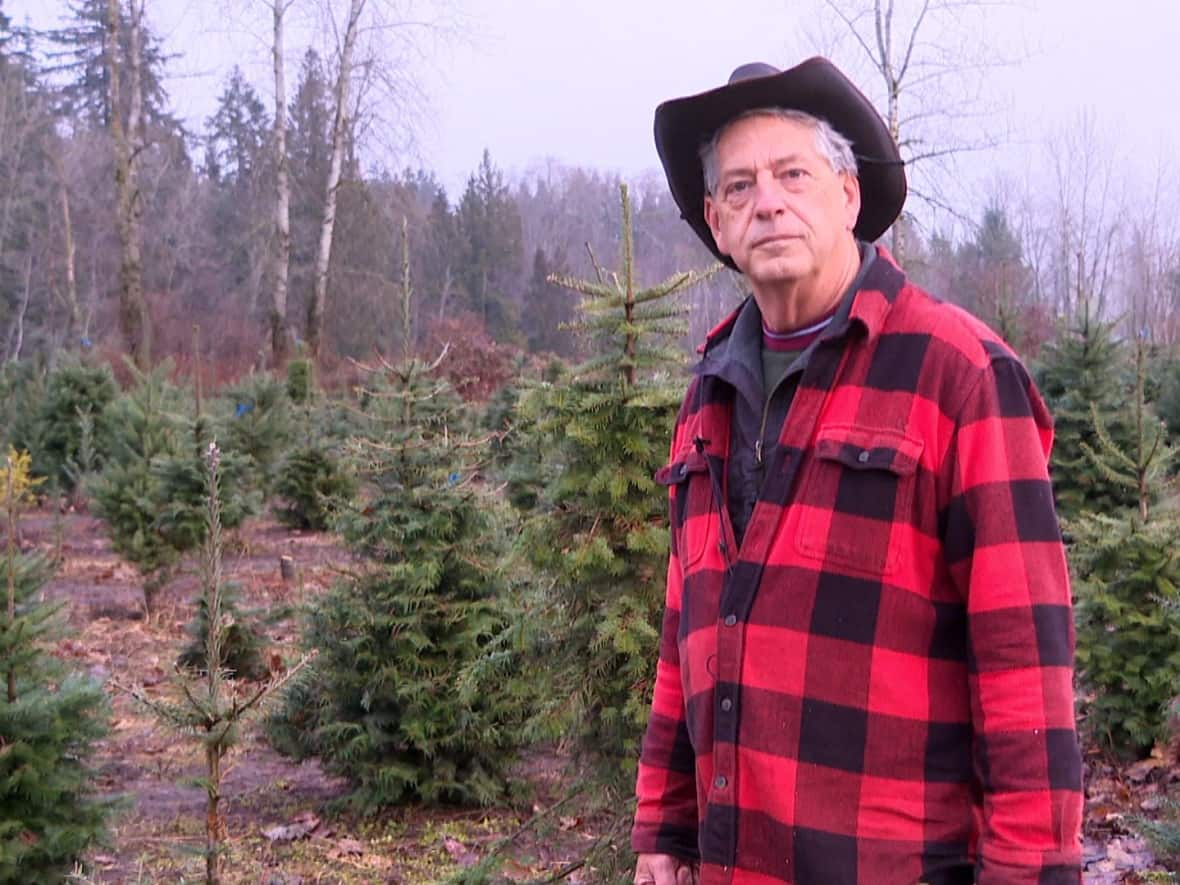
<point>877,686</point>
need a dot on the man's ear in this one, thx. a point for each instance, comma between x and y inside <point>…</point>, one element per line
<point>851,188</point>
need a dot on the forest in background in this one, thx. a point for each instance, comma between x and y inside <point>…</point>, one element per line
<point>201,207</point>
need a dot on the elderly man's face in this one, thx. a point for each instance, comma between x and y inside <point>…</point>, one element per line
<point>778,210</point>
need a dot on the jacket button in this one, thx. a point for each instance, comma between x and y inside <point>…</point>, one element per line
<point>720,782</point>
<point>730,620</point>
<point>726,704</point>
<point>863,457</point>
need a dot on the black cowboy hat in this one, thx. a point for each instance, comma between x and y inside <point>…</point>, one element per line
<point>815,87</point>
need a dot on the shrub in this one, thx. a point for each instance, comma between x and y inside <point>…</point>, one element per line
<point>50,720</point>
<point>152,492</point>
<point>241,644</point>
<point>1128,652</point>
<point>300,381</point>
<point>56,437</point>
<point>258,426</point>
<point>388,706</point>
<point>127,493</point>
<point>180,519</point>
<point>475,365</point>
<point>311,487</point>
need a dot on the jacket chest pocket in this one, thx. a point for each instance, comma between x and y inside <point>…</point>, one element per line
<point>856,498</point>
<point>692,504</point>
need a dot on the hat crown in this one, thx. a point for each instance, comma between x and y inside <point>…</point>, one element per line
<point>815,87</point>
<point>752,70</point>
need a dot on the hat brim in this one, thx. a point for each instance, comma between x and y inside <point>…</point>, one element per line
<point>815,87</point>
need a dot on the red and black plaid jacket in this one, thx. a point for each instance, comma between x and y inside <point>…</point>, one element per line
<point>877,686</point>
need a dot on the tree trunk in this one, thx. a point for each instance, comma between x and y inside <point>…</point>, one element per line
<point>10,506</point>
<point>898,233</point>
<point>340,127</point>
<point>883,20</point>
<point>445,295</point>
<point>18,334</point>
<point>214,824</point>
<point>279,334</point>
<point>133,314</point>
<point>73,312</point>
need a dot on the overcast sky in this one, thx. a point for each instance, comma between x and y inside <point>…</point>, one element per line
<point>579,81</point>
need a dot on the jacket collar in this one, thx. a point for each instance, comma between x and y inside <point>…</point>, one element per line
<point>732,349</point>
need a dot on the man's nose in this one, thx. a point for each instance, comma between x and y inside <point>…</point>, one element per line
<point>769,196</point>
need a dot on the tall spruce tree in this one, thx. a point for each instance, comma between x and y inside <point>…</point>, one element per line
<point>77,53</point>
<point>239,168</point>
<point>598,537</point>
<point>490,241</point>
<point>1081,373</point>
<point>547,308</point>
<point>29,148</point>
<point>72,390</point>
<point>50,720</point>
<point>237,133</point>
<point>390,705</point>
<point>1128,582</point>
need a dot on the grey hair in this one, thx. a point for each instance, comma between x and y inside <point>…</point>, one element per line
<point>830,144</point>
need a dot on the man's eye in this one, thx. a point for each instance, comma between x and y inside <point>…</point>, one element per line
<point>735,188</point>
<point>794,173</point>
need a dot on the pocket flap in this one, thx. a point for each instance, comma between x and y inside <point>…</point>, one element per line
<point>869,448</point>
<point>682,468</point>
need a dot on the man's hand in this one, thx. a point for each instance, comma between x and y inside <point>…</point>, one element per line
<point>664,869</point>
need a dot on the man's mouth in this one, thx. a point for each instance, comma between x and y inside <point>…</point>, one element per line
<point>774,240</point>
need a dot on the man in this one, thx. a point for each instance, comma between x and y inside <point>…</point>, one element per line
<point>865,672</point>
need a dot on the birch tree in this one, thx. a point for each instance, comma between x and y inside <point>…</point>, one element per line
<point>69,291</point>
<point>930,58</point>
<point>280,335</point>
<point>340,134</point>
<point>378,51</point>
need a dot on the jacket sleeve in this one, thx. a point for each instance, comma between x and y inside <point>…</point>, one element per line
<point>666,814</point>
<point>1004,549</point>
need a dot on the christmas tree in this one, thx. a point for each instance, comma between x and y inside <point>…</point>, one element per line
<point>391,705</point>
<point>209,704</point>
<point>127,494</point>
<point>50,720</point>
<point>1081,373</point>
<point>1127,575</point>
<point>598,538</point>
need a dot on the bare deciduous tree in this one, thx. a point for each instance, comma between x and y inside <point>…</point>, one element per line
<point>1085,216</point>
<point>280,334</point>
<point>379,49</point>
<point>342,97</point>
<point>930,57</point>
<point>134,318</point>
<point>1151,262</point>
<point>69,292</point>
